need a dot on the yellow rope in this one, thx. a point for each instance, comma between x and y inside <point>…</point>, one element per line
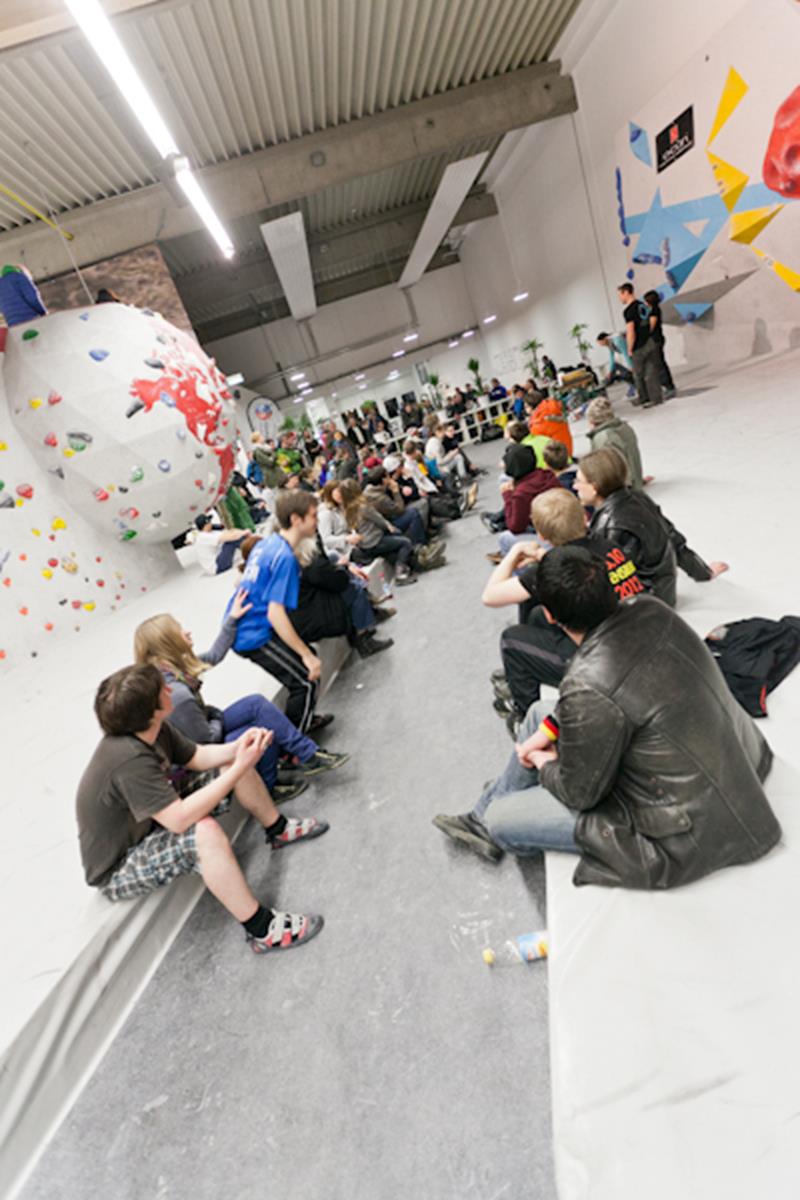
<point>29,208</point>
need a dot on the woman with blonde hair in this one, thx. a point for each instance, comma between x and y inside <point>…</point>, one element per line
<point>162,641</point>
<point>379,538</point>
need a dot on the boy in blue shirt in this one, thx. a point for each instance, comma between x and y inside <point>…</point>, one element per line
<point>264,633</point>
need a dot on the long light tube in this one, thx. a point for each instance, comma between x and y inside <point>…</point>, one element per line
<point>98,31</point>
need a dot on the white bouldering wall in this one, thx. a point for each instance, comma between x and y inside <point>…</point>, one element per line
<point>116,429</point>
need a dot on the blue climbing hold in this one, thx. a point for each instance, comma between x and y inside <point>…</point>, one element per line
<point>98,355</point>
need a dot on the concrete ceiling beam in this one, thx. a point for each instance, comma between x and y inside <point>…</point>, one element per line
<point>300,167</point>
<point>389,235</point>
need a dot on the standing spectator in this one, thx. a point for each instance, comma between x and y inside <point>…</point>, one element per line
<point>642,347</point>
<point>653,300</point>
<point>608,431</point>
<point>19,296</point>
<point>549,369</point>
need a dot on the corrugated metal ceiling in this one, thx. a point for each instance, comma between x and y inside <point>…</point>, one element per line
<point>235,76</point>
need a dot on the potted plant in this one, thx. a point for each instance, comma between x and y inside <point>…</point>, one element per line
<point>305,421</point>
<point>576,333</point>
<point>474,367</point>
<point>433,381</point>
<point>288,424</point>
<point>533,346</point>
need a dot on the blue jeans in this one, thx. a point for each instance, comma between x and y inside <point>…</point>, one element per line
<point>522,816</point>
<point>256,711</point>
<point>356,597</point>
<point>226,552</point>
<point>508,539</point>
<point>410,523</point>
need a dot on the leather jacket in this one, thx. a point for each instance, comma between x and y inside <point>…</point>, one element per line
<point>660,764</point>
<point>631,520</point>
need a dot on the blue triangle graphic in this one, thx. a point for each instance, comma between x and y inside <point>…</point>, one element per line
<point>678,274</point>
<point>691,312</point>
<point>639,143</point>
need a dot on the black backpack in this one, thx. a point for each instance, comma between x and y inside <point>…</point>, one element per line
<point>755,655</point>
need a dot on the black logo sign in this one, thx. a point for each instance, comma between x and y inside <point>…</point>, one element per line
<point>675,140</point>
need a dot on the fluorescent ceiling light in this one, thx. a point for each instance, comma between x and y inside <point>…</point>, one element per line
<point>299,375</point>
<point>285,238</point>
<point>411,337</point>
<point>234,380</point>
<point>305,391</point>
<point>488,320</point>
<point>361,387</point>
<point>398,354</point>
<point>452,345</point>
<point>360,376</point>
<point>468,333</point>
<point>520,296</point>
<point>455,183</point>
<point>101,36</point>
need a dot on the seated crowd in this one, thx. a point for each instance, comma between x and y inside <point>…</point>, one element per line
<point>645,767</point>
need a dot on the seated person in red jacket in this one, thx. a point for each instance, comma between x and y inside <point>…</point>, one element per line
<point>526,482</point>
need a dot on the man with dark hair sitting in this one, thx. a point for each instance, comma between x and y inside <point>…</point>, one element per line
<point>138,833</point>
<point>648,768</point>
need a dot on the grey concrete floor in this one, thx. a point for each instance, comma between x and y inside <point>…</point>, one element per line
<point>384,1061</point>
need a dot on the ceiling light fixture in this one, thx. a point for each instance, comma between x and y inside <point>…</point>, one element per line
<point>456,181</point>
<point>298,375</point>
<point>398,354</point>
<point>98,31</point>
<point>468,333</point>
<point>520,296</point>
<point>285,238</point>
<point>452,345</point>
<point>488,320</point>
<point>361,376</point>
<point>361,387</point>
<point>234,380</point>
<point>306,391</point>
<point>411,337</point>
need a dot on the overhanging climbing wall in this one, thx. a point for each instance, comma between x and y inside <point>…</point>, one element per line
<point>115,431</point>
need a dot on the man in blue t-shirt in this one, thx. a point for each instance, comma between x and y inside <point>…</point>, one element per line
<point>265,633</point>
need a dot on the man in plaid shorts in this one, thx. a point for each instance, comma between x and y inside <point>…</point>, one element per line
<point>137,832</point>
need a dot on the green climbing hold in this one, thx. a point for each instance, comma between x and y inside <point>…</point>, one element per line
<point>128,535</point>
<point>30,334</point>
<point>137,474</point>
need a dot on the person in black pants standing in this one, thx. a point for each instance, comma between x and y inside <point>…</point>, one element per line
<point>653,302</point>
<point>641,346</point>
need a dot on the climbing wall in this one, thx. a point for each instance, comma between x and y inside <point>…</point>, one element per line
<point>116,430</point>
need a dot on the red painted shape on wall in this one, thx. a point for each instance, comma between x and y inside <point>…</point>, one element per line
<point>781,169</point>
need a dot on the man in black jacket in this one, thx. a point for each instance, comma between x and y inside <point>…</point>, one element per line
<point>648,768</point>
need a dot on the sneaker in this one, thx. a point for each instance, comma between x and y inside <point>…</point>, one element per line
<point>287,930</point>
<point>486,518</point>
<point>282,793</point>
<point>368,644</point>
<point>498,676</point>
<point>298,829</point>
<point>384,614</point>
<point>404,578</point>
<point>502,705</point>
<point>322,760</point>
<point>319,722</point>
<point>502,690</point>
<point>631,392</point>
<point>468,831</point>
<point>669,393</point>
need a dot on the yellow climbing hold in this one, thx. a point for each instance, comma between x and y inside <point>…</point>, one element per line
<point>58,523</point>
<point>36,402</point>
<point>68,452</point>
<point>90,606</point>
<point>746,226</point>
<point>48,574</point>
<point>36,532</point>
<point>3,445</point>
<point>730,180</point>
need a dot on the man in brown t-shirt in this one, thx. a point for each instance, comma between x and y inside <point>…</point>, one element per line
<point>137,832</point>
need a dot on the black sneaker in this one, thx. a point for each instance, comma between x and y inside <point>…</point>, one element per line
<point>369,645</point>
<point>468,831</point>
<point>384,614</point>
<point>502,690</point>
<point>282,793</point>
<point>318,722</point>
<point>323,760</point>
<point>498,676</point>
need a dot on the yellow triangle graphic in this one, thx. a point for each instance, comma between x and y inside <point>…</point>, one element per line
<point>746,226</point>
<point>732,95</point>
<point>787,275</point>
<point>730,180</point>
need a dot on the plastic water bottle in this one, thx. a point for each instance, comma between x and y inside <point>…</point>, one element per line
<point>526,948</point>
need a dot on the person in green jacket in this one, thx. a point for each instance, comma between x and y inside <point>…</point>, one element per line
<point>607,431</point>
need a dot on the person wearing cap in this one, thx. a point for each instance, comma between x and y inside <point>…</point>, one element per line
<point>216,547</point>
<point>609,432</point>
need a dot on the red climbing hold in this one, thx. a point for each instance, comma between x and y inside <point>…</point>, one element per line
<point>51,440</point>
<point>25,490</point>
<point>782,160</point>
<point>100,494</point>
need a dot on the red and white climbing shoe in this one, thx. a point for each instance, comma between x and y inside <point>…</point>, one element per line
<point>298,829</point>
<point>287,930</point>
